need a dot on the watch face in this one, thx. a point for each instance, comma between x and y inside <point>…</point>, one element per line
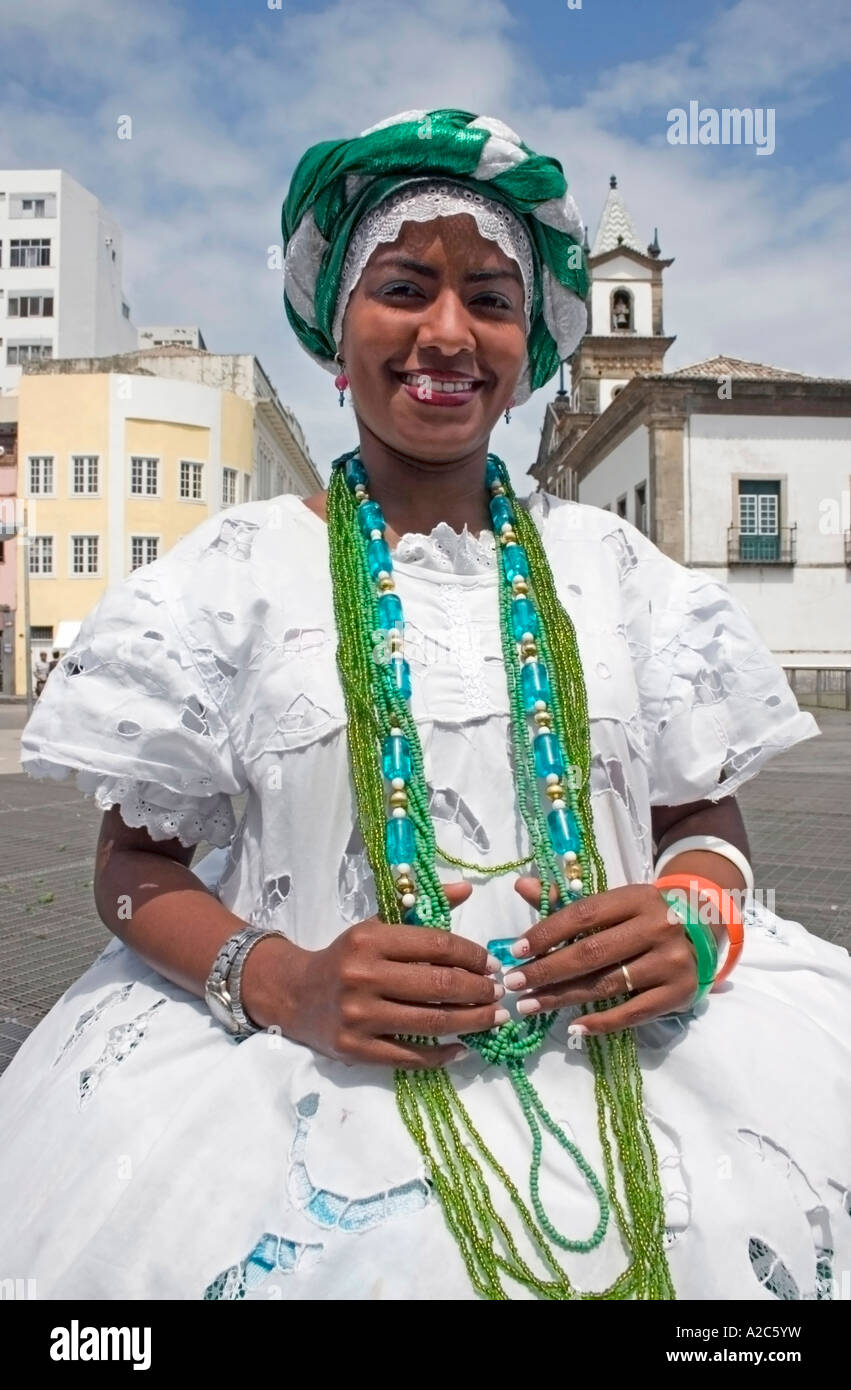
<point>221,1009</point>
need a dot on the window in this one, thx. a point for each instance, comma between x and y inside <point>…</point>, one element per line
<point>144,476</point>
<point>621,310</point>
<point>84,474</point>
<point>143,550</point>
<point>41,555</point>
<point>32,205</point>
<point>84,554</point>
<point>29,253</point>
<point>18,353</point>
<point>641,507</point>
<point>620,506</point>
<point>228,487</point>
<point>41,475</point>
<point>190,480</point>
<point>41,634</point>
<point>246,487</point>
<point>30,306</point>
<point>759,519</point>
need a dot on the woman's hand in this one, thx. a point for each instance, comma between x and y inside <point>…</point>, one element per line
<point>632,926</point>
<point>377,980</point>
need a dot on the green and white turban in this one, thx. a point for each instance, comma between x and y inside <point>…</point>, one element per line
<point>347,196</point>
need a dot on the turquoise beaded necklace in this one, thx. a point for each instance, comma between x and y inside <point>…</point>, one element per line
<point>549,721</point>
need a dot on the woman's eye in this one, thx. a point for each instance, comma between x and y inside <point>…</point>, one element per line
<point>402,288</point>
<point>491,300</point>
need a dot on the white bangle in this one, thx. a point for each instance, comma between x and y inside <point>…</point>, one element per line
<point>715,846</point>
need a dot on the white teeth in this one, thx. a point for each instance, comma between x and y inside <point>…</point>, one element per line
<point>434,384</point>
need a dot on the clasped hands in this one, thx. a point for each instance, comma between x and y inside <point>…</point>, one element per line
<point>378,988</point>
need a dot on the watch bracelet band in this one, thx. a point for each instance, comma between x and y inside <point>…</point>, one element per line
<point>223,980</point>
<point>258,934</point>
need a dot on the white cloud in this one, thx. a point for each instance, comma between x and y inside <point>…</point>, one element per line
<point>217,130</point>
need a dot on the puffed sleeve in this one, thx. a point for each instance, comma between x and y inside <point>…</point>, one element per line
<point>129,711</point>
<point>715,703</point>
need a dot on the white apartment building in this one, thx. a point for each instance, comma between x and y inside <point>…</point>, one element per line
<point>60,273</point>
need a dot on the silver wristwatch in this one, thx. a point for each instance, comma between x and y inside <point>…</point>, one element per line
<point>223,989</point>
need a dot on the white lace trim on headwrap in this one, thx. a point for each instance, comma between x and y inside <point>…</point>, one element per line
<point>423,200</point>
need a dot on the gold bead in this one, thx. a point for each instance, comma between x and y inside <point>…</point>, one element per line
<point>556,792</point>
<point>398,798</point>
<point>497,490</point>
<point>543,718</point>
<point>520,586</point>
<point>404,885</point>
<point>508,537</point>
<point>529,648</point>
<point>385,585</point>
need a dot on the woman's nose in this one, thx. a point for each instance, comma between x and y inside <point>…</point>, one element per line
<point>446,325</point>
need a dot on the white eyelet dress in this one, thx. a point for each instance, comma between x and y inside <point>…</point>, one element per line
<point>146,1154</point>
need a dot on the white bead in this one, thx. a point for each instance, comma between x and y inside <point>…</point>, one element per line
<point>383,574</point>
<point>575,885</point>
<point>559,805</point>
<point>376,535</point>
<point>527,659</point>
<point>395,730</point>
<point>571,856</point>
<point>552,778</point>
<point>540,705</point>
<point>402,869</point>
<point>398,784</point>
<point>506,526</point>
<point>399,812</point>
<point>528,637</point>
<point>409,899</point>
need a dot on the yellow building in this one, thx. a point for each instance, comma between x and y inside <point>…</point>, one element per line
<point>119,458</point>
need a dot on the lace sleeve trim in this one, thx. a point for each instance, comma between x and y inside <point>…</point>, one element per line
<point>165,814</point>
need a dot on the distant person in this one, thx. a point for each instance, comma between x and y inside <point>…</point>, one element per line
<point>55,659</point>
<point>41,671</point>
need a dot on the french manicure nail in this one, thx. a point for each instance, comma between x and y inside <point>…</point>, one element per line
<point>501,1016</point>
<point>578,1030</point>
<point>498,990</point>
<point>494,965</point>
<point>528,1006</point>
<point>519,948</point>
<point>515,981</point>
<point>460,1054</point>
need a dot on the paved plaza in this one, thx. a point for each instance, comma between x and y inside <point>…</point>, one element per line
<point>798,815</point>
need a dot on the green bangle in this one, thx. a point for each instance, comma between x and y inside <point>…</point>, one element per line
<point>702,939</point>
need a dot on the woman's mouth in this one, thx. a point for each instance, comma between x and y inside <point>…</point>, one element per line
<point>433,389</point>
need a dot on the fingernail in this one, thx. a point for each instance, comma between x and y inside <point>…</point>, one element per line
<point>498,990</point>
<point>517,980</point>
<point>528,1006</point>
<point>578,1030</point>
<point>501,1016</point>
<point>520,948</point>
<point>494,965</point>
<point>460,1054</point>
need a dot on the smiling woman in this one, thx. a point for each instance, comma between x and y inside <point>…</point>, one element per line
<point>439,1031</point>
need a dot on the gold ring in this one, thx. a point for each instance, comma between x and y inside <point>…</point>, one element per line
<point>630,987</point>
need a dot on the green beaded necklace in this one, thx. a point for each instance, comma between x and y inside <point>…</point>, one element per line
<point>383,741</point>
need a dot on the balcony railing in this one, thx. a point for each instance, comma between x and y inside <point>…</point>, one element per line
<point>774,548</point>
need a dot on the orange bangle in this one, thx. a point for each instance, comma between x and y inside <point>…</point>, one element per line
<point>728,912</point>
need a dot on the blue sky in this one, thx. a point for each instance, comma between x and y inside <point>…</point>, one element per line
<point>225,95</point>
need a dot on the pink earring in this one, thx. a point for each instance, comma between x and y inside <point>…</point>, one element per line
<point>341,381</point>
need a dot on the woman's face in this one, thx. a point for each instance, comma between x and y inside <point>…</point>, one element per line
<point>434,339</point>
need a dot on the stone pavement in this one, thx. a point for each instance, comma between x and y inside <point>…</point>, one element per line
<point>798,816</point>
